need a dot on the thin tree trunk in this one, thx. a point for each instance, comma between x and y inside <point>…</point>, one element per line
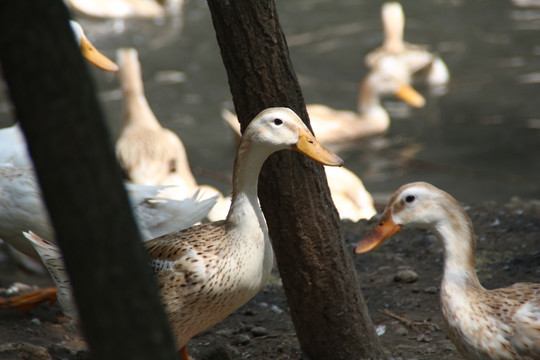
<point>328,310</point>
<point>55,102</point>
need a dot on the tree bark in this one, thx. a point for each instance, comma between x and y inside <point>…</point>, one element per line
<point>121,314</point>
<point>327,307</point>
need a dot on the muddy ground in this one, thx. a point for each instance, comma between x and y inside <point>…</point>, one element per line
<point>508,250</point>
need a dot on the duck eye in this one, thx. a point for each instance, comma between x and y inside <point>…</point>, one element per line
<point>278,121</point>
<point>410,198</point>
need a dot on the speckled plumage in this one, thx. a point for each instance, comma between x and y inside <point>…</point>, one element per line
<point>208,271</point>
<point>499,324</point>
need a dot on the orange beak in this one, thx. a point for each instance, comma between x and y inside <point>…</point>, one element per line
<point>410,96</point>
<point>308,146</point>
<point>96,58</point>
<point>384,230</point>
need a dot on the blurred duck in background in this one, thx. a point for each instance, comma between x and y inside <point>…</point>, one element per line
<point>335,127</point>
<point>13,149</point>
<point>125,9</point>
<point>413,60</point>
<point>150,154</point>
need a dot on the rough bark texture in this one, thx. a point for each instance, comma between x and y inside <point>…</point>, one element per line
<point>55,102</point>
<point>327,306</point>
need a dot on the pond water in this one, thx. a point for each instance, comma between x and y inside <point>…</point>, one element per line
<point>479,141</point>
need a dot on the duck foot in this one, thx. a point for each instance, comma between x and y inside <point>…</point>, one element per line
<point>29,300</point>
<point>183,354</point>
<point>415,325</point>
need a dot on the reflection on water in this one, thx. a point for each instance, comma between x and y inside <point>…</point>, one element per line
<point>480,141</point>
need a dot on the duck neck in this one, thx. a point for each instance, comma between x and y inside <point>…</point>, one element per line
<point>370,108</point>
<point>457,236</point>
<point>393,24</point>
<point>136,109</point>
<point>245,209</point>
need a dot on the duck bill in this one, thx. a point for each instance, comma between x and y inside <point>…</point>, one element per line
<point>410,96</point>
<point>308,146</point>
<point>96,58</point>
<point>384,230</point>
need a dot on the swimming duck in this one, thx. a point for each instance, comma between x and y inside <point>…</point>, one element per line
<point>148,153</point>
<point>411,59</point>
<point>333,127</point>
<point>206,272</point>
<point>483,324</point>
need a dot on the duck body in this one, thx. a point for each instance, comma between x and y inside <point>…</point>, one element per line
<point>148,153</point>
<point>13,149</point>
<point>483,324</point>
<point>22,208</point>
<point>351,198</point>
<point>412,60</point>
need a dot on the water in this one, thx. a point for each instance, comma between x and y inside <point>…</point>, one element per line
<point>480,141</point>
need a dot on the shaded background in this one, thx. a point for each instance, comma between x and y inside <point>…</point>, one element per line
<point>479,141</point>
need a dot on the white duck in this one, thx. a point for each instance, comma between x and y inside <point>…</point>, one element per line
<point>13,149</point>
<point>411,59</point>
<point>352,200</point>
<point>126,9</point>
<point>148,153</point>
<point>22,208</point>
<point>499,324</point>
<point>206,272</point>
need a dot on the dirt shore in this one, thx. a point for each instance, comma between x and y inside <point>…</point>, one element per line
<point>400,281</point>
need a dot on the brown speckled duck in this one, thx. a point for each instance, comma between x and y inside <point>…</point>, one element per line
<point>207,271</point>
<point>499,324</point>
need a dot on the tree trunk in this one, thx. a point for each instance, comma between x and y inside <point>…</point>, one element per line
<point>54,97</point>
<point>328,310</point>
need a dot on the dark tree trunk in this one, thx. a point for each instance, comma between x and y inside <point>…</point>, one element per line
<point>327,306</point>
<point>55,102</point>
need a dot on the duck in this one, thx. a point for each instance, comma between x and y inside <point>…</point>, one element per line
<point>13,148</point>
<point>207,271</point>
<point>22,208</point>
<point>349,195</point>
<point>148,153</point>
<point>483,324</point>
<point>337,127</point>
<point>412,60</point>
